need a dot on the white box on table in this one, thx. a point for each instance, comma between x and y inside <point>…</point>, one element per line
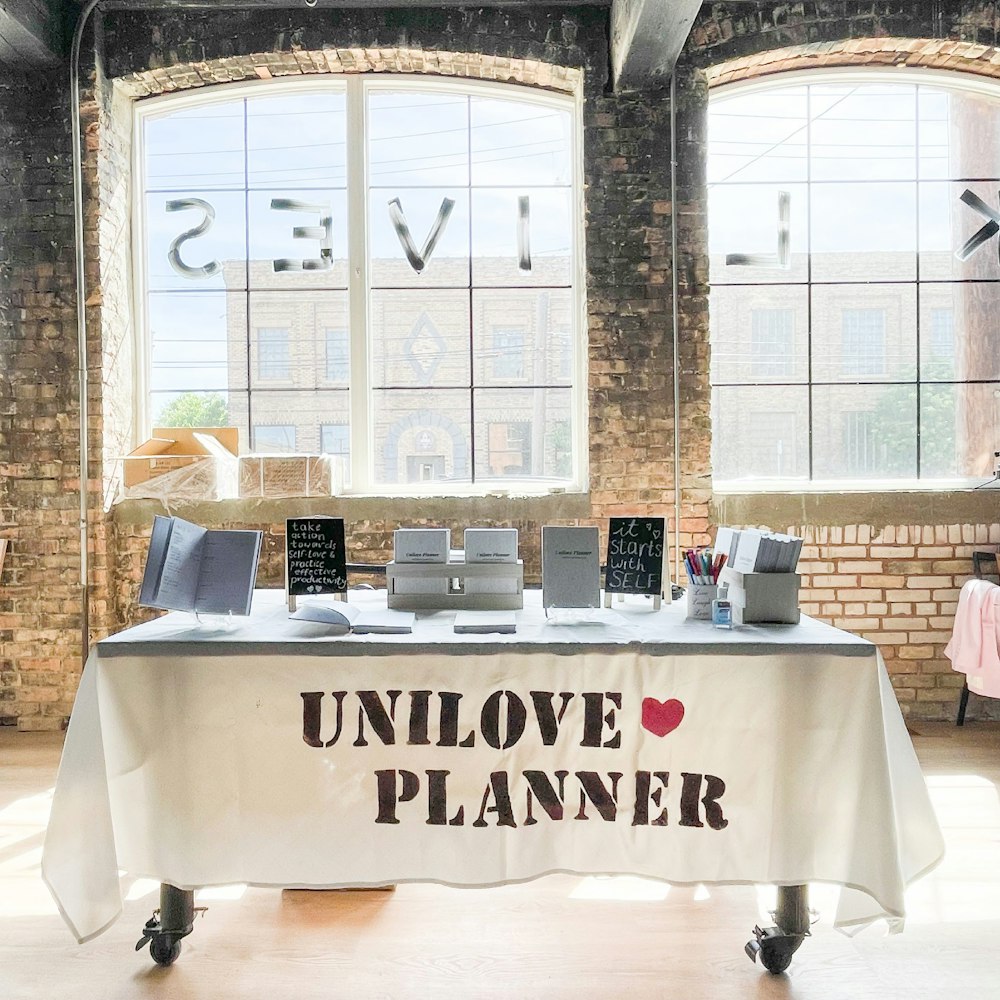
<point>759,598</point>
<point>422,545</point>
<point>490,545</point>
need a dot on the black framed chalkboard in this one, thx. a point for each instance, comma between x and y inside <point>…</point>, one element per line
<point>315,556</point>
<point>636,555</point>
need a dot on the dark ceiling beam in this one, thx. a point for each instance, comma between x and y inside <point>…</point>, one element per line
<point>646,38</point>
<point>339,4</point>
<point>30,32</point>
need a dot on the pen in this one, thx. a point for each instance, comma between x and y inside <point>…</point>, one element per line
<point>720,561</point>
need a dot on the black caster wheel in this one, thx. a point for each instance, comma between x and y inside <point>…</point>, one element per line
<point>775,960</point>
<point>163,951</point>
<point>774,948</point>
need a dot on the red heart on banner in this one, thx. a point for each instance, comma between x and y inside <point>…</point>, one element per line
<point>661,717</point>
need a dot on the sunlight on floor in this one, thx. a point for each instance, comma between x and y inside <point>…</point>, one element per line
<point>220,894</point>
<point>23,818</point>
<point>22,831</point>
<point>965,887</point>
<point>620,887</point>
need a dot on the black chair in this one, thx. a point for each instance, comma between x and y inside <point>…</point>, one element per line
<point>984,567</point>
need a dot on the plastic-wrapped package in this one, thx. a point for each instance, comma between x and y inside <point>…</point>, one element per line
<point>277,476</point>
<point>213,477</point>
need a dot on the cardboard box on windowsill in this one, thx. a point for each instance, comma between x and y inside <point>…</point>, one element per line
<point>173,448</point>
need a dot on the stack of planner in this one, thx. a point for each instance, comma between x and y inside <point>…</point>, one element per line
<point>764,552</point>
<point>760,574</point>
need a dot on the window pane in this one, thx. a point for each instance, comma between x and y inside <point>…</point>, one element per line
<point>273,438</point>
<point>958,430</point>
<point>864,333</point>
<point>297,141</point>
<point>863,132</point>
<point>279,258</point>
<point>514,142</point>
<point>523,433</point>
<point>405,254</point>
<point>959,333</point>
<point>420,338</point>
<point>274,358</point>
<point>760,334</point>
<point>887,164</point>
<point>335,439</point>
<point>417,138</point>
<point>338,354</point>
<point>191,341</point>
<point>198,148</point>
<point>421,437</point>
<point>177,257</point>
<point>246,269</point>
<point>744,219</point>
<point>522,336</point>
<point>864,232</point>
<point>193,409</point>
<point>760,136</point>
<point>865,432</point>
<point>934,137</point>
<point>306,412</point>
<point>294,327</point>
<point>523,226</point>
<point>946,223</point>
<point>963,134</point>
<point>760,434</point>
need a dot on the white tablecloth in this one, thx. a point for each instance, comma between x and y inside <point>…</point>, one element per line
<point>640,743</point>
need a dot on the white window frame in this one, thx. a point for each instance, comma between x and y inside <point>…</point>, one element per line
<point>357,87</point>
<point>954,80</point>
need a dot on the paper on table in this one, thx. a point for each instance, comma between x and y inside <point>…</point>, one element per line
<point>485,621</point>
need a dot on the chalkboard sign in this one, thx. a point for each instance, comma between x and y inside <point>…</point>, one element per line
<point>315,556</point>
<point>636,556</point>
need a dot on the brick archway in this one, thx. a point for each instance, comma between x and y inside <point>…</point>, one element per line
<point>862,53</point>
<point>339,61</point>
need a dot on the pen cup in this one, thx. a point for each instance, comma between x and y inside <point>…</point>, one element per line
<point>699,600</point>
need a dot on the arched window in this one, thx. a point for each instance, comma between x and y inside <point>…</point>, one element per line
<point>321,263</point>
<point>854,330</point>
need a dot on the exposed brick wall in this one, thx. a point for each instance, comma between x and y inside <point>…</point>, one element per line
<point>39,472</point>
<point>869,570</point>
<point>898,586</point>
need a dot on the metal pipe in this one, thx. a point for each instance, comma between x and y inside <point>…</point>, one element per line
<point>792,912</point>
<point>81,325</point>
<point>674,283</point>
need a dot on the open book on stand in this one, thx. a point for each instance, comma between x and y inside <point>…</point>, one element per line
<point>344,618</point>
<point>190,568</point>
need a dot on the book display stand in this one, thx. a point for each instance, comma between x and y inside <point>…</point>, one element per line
<point>455,597</point>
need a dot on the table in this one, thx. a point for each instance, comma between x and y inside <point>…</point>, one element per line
<point>263,751</point>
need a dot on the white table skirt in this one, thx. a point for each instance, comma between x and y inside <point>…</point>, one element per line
<point>684,753</point>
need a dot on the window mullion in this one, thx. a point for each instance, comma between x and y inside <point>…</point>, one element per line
<point>357,289</point>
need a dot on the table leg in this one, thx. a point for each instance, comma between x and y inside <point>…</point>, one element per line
<point>171,922</point>
<point>776,945</point>
<point>792,913</point>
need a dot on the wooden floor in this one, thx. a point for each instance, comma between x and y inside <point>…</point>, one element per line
<point>559,937</point>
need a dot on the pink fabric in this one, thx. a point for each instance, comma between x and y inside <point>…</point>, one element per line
<point>974,649</point>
